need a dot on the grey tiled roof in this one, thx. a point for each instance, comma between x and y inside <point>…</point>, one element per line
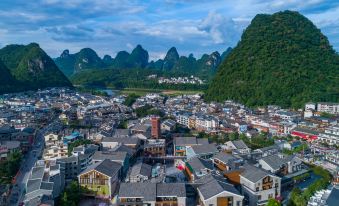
<point>141,168</point>
<point>147,191</point>
<point>200,164</point>
<point>215,187</point>
<point>171,189</point>
<point>46,186</point>
<point>122,140</point>
<point>205,149</point>
<point>185,141</point>
<point>106,167</point>
<point>239,144</point>
<point>113,156</point>
<point>274,161</point>
<point>37,172</point>
<point>33,184</point>
<point>253,173</point>
<point>224,157</point>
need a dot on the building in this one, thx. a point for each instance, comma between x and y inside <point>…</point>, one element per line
<point>258,185</point>
<point>226,162</point>
<point>112,142</point>
<point>330,136</point>
<point>237,147</point>
<point>101,179</point>
<point>140,172</point>
<point>196,168</point>
<point>213,191</point>
<point>156,128</point>
<point>155,148</point>
<point>182,144</point>
<point>278,164</point>
<point>168,125</point>
<point>305,134</point>
<point>152,194</point>
<point>310,106</point>
<point>43,182</point>
<point>328,107</point>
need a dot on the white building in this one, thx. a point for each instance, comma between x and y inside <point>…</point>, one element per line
<point>329,107</point>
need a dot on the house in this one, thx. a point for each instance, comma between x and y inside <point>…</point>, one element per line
<point>43,181</point>
<point>258,185</point>
<point>203,151</point>
<point>225,162</point>
<point>278,164</point>
<point>121,158</point>
<point>152,194</point>
<point>181,144</point>
<point>101,179</point>
<point>140,172</point>
<point>237,147</point>
<point>306,134</point>
<point>155,147</point>
<point>196,168</point>
<point>168,125</point>
<point>212,191</point>
<point>8,147</point>
<point>329,107</point>
<point>137,194</point>
<point>112,142</point>
<point>267,151</point>
<point>69,167</point>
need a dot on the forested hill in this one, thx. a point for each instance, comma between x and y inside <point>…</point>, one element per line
<point>28,67</point>
<point>281,59</point>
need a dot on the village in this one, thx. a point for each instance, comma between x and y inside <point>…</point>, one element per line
<point>164,150</point>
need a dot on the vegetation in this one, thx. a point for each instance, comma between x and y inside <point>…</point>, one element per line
<point>273,202</point>
<point>130,99</point>
<point>72,194</point>
<point>29,68</point>
<point>257,142</point>
<point>282,59</point>
<point>296,150</point>
<point>148,110</point>
<point>130,78</point>
<point>10,167</point>
<point>327,115</point>
<point>77,143</point>
<point>300,198</point>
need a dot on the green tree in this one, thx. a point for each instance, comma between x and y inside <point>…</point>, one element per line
<point>273,202</point>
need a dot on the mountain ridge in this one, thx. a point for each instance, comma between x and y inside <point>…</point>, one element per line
<point>281,59</point>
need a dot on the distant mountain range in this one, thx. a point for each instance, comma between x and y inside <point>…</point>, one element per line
<point>282,59</point>
<point>87,59</point>
<point>28,67</point>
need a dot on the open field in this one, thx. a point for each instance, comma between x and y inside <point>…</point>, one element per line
<point>141,92</point>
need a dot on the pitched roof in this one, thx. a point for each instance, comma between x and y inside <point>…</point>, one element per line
<point>274,161</point>
<point>146,190</point>
<point>171,189</point>
<point>185,141</point>
<point>253,173</point>
<point>106,167</point>
<point>200,164</point>
<point>113,156</point>
<point>204,149</point>
<point>141,168</point>
<point>224,157</point>
<point>239,144</point>
<point>215,187</point>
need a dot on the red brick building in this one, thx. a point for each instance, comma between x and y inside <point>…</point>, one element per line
<point>156,129</point>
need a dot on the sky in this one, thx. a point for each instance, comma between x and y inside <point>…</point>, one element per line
<point>109,26</point>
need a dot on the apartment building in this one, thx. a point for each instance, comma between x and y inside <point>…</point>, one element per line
<point>258,185</point>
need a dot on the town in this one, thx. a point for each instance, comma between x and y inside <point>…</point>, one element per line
<point>60,146</point>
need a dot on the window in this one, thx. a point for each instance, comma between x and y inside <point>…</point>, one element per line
<point>257,189</point>
<point>259,197</point>
<point>238,203</point>
<point>270,195</point>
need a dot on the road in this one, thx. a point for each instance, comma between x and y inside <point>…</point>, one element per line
<point>29,161</point>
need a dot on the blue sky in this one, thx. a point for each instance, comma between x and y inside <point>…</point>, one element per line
<point>109,26</point>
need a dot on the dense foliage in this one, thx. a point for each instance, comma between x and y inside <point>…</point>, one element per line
<point>281,59</point>
<point>129,78</point>
<point>10,167</point>
<point>148,110</point>
<point>130,99</point>
<point>30,68</point>
<point>72,194</point>
<point>300,198</point>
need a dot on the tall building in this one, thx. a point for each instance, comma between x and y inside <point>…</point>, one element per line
<point>156,133</point>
